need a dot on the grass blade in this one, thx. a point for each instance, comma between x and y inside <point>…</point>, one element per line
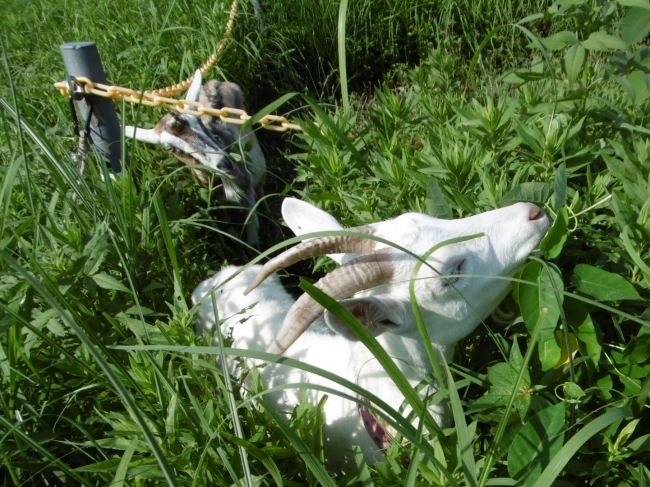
<point>270,108</point>
<point>123,467</point>
<point>179,297</point>
<point>28,440</point>
<point>303,450</point>
<point>376,405</point>
<point>343,73</point>
<point>364,473</point>
<point>125,395</point>
<point>571,447</point>
<point>231,400</point>
<point>464,439</point>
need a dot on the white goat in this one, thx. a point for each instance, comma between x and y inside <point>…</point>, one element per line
<point>377,275</point>
<point>207,141</point>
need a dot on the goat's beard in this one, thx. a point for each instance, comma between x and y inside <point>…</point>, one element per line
<point>232,192</point>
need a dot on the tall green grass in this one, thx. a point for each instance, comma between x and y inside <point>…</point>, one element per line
<point>103,379</point>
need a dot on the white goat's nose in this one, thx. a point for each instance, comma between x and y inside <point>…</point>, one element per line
<point>534,213</point>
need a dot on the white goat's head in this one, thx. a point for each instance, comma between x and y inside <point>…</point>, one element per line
<point>451,307</point>
<point>185,136</point>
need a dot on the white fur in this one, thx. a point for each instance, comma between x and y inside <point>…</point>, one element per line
<point>510,236</point>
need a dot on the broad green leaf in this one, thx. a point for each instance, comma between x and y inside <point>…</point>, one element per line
<point>436,203</point>
<point>572,391</point>
<point>490,400</point>
<point>552,243</point>
<point>602,285</point>
<point>532,192</point>
<point>573,61</point>
<point>635,25</point>
<point>573,343</point>
<point>560,186</point>
<point>637,351</point>
<point>498,437</point>
<point>586,333</point>
<point>106,281</point>
<point>639,445</point>
<point>560,40</point>
<point>550,352</point>
<point>536,444</point>
<point>601,41</point>
<point>503,377</point>
<point>533,298</point>
<point>626,432</point>
<point>639,82</point>
<point>635,3</point>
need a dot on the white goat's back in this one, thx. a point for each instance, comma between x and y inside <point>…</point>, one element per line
<point>252,320</point>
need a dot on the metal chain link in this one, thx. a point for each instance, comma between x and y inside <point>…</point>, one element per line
<point>184,85</point>
<point>78,87</point>
<point>85,86</point>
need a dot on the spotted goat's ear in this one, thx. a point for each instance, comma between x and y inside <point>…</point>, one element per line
<point>195,89</point>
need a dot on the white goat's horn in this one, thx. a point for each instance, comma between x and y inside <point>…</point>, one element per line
<point>318,246</point>
<point>359,274</point>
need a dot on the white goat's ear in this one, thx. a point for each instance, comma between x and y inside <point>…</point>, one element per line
<point>305,218</point>
<point>195,88</point>
<point>369,311</point>
<point>149,136</point>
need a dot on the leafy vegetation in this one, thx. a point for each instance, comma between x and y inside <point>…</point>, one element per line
<point>103,379</point>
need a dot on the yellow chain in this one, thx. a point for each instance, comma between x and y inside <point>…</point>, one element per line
<point>184,85</point>
<point>160,97</point>
<point>270,122</point>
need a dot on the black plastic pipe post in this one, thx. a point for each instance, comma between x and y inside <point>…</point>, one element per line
<point>81,59</point>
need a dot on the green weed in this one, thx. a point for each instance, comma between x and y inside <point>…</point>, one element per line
<point>103,379</point>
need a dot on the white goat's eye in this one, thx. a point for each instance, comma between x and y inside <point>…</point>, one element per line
<point>456,269</point>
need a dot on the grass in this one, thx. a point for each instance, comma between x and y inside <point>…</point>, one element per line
<point>103,379</point>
